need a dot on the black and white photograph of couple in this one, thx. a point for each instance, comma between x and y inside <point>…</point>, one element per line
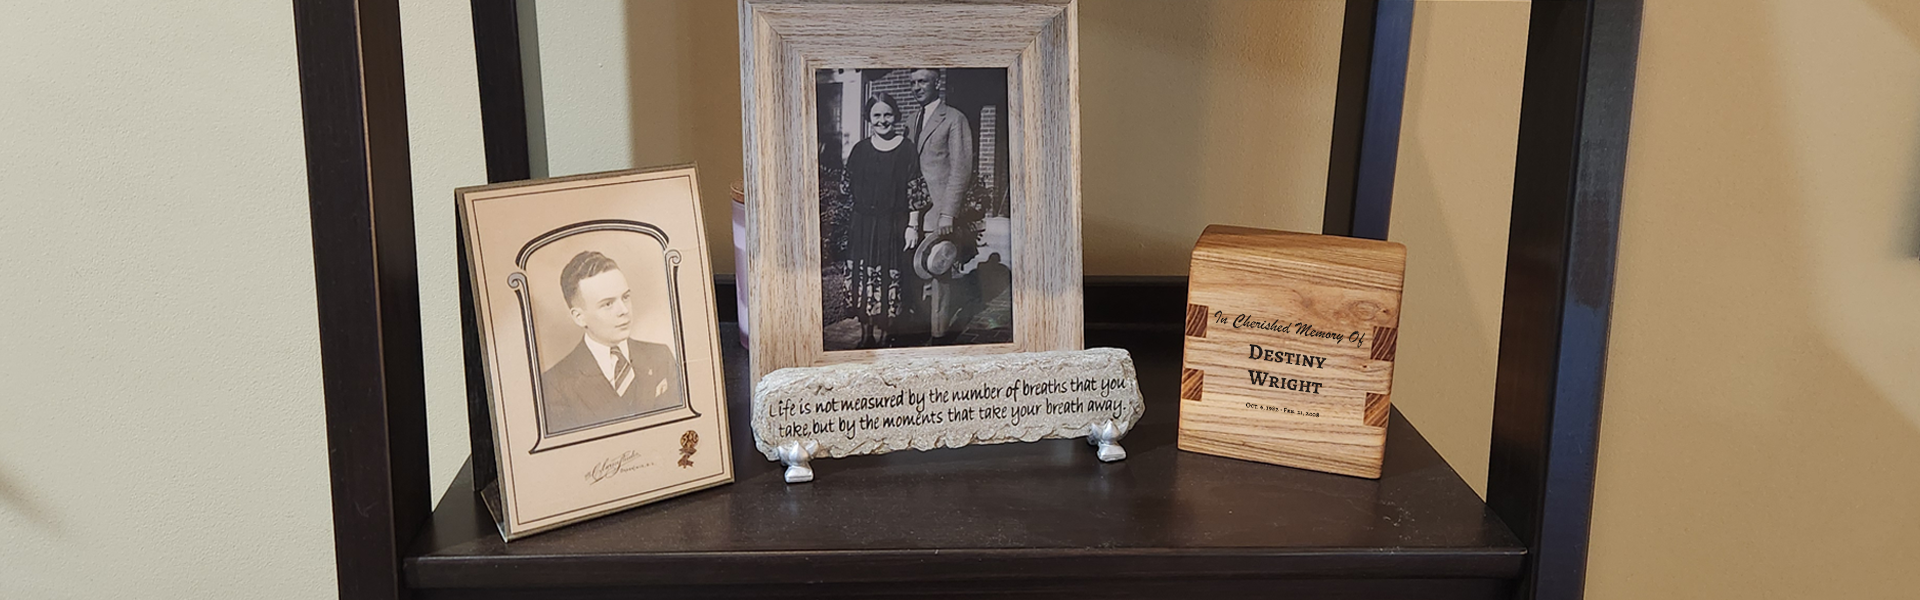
<point>915,216</point>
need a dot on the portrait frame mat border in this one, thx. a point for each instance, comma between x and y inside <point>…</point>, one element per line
<point>783,41</point>
<point>499,495</point>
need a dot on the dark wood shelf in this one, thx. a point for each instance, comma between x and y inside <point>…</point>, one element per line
<point>1043,518</point>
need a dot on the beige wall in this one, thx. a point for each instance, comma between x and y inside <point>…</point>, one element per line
<point>1760,434</point>
<point>1201,112</point>
<point>1451,197</point>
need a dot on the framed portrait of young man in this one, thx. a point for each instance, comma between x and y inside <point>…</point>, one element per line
<point>912,173</point>
<point>595,315</point>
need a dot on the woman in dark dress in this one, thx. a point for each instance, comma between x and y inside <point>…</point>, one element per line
<point>880,171</point>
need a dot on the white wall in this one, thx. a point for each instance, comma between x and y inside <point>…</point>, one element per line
<point>641,83</point>
<point>161,431</point>
<point>443,132</point>
<point>584,72</point>
<point>161,428</point>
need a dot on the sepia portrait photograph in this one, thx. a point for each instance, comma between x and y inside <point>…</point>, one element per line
<point>915,214</point>
<point>603,325</point>
<point>593,313</point>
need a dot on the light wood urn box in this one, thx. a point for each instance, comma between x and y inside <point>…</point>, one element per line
<point>1289,348</point>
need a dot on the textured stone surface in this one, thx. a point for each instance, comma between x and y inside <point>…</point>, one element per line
<point>945,402</point>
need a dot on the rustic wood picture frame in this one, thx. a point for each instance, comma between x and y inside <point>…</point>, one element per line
<point>783,41</point>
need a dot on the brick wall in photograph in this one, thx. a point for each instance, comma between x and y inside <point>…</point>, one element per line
<point>988,143</point>
<point>896,84</point>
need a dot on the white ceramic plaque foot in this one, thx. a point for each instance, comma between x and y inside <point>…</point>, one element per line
<point>844,410</point>
<point>1105,437</point>
<point>798,457</point>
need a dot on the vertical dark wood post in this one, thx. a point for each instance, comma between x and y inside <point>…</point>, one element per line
<point>1366,117</point>
<point>360,190</point>
<point>1574,117</point>
<point>503,99</point>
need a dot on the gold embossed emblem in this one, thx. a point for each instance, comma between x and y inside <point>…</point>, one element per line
<point>688,441</point>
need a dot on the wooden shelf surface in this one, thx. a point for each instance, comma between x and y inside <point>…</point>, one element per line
<point>1042,518</point>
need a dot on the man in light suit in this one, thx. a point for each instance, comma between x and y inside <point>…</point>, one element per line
<point>945,139</point>
<point>608,376</point>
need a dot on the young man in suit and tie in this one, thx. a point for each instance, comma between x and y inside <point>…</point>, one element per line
<point>608,376</point>
<point>945,139</point>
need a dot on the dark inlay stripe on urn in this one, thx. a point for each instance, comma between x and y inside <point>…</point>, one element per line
<point>1191,381</point>
<point>1196,320</point>
<point>1384,340</point>
<point>1378,405</point>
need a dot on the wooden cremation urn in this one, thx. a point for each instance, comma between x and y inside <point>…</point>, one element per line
<point>1289,348</point>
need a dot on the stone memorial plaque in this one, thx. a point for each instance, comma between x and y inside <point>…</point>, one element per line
<point>850,409</point>
<point>1289,352</point>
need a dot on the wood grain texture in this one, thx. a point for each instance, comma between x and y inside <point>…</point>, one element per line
<point>1219,428</point>
<point>1192,383</point>
<point>1378,405</point>
<point>1385,341</point>
<point>1197,320</point>
<point>782,42</point>
<point>1296,348</point>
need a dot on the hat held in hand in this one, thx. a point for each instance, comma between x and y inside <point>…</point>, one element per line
<point>936,257</point>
